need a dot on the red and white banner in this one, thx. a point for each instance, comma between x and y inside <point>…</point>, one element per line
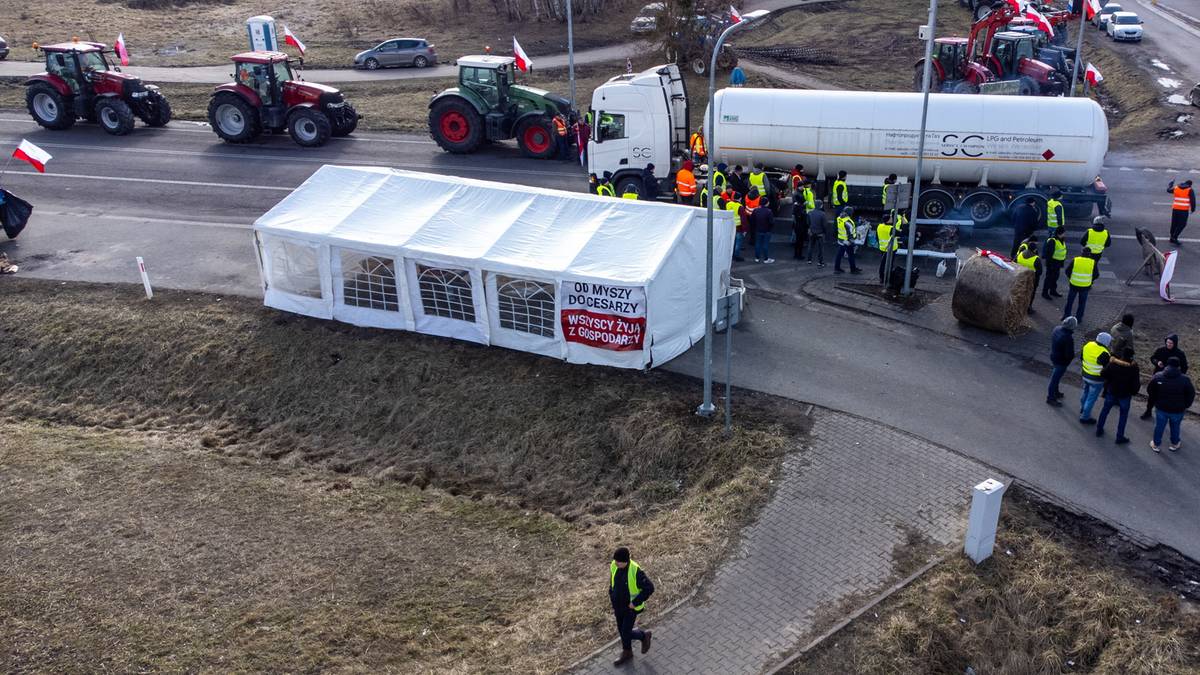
<point>603,316</point>
<point>1017,5</point>
<point>734,16</point>
<point>1093,75</point>
<point>290,38</point>
<point>523,61</point>
<point>1091,8</point>
<point>1168,273</point>
<point>122,51</point>
<point>1039,19</point>
<point>33,154</point>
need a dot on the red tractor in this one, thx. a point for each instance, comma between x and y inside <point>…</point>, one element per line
<point>265,94</point>
<point>80,82</point>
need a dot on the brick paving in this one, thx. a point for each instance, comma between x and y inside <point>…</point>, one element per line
<point>826,540</point>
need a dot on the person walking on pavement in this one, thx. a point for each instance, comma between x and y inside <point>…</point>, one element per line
<point>685,184</point>
<point>1096,238</point>
<point>1183,202</point>
<point>1082,272</point>
<point>1158,361</point>
<point>1094,356</point>
<point>649,184</point>
<point>1024,220</point>
<point>1122,334</point>
<point>1173,393</point>
<point>628,588</point>
<point>816,233</point>
<point>841,195</point>
<point>1062,353</point>
<point>846,236</point>
<point>1121,383</point>
<point>1054,256</point>
<point>1027,256</point>
<point>762,220</point>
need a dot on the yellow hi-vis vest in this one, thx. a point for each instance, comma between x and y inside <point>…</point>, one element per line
<point>840,195</point>
<point>632,570</point>
<point>759,180</point>
<point>1096,241</point>
<point>733,206</point>
<point>1081,272</point>
<point>605,190</point>
<point>1091,360</point>
<point>810,199</point>
<point>1060,249</point>
<point>884,233</point>
<point>1052,207</point>
<point>885,188</point>
<point>1027,257</point>
<point>845,230</point>
<point>717,181</point>
<point>630,195</point>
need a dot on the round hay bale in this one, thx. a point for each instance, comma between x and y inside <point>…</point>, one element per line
<point>990,297</point>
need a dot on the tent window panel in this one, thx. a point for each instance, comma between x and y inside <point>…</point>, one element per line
<point>526,306</point>
<point>294,268</point>
<point>446,293</point>
<point>370,282</point>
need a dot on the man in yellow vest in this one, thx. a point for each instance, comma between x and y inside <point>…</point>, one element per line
<point>889,239</point>
<point>685,184</point>
<point>1081,273</point>
<point>1094,356</point>
<point>1183,202</point>
<point>628,589</point>
<point>730,203</point>
<point>1055,215</point>
<point>841,195</point>
<point>1096,238</point>
<point>605,188</point>
<point>846,235</point>
<point>1054,256</point>
<point>803,201</point>
<point>1027,256</point>
<point>887,183</point>
<point>718,181</point>
<point>631,191</point>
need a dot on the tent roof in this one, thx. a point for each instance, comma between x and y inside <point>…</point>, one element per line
<point>501,226</point>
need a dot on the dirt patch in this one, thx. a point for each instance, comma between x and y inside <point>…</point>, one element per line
<point>917,300</point>
<point>1061,594</point>
<point>1152,324</point>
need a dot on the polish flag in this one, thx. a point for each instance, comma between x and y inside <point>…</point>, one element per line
<point>1168,273</point>
<point>1040,19</point>
<point>290,38</point>
<point>523,61</point>
<point>1093,75</point>
<point>1017,6</point>
<point>1091,8</point>
<point>33,154</point>
<point>121,50</point>
<point>734,16</point>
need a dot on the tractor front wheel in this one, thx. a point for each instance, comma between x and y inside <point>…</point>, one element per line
<point>1027,86</point>
<point>456,126</point>
<point>155,112</point>
<point>536,138</point>
<point>309,127</point>
<point>234,120</point>
<point>115,116</point>
<point>49,108</point>
<point>346,121</point>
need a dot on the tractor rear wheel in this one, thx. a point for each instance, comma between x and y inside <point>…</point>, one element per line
<point>455,125</point>
<point>309,127</point>
<point>115,116</point>
<point>535,135</point>
<point>1027,86</point>
<point>234,120</point>
<point>346,122</point>
<point>49,108</point>
<point>155,112</point>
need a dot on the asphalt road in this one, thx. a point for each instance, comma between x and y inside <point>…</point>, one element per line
<point>1170,37</point>
<point>185,201</point>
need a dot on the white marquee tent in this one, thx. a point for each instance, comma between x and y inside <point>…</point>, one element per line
<point>575,276</point>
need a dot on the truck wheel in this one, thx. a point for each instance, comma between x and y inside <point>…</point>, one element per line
<point>346,122</point>
<point>114,116</point>
<point>309,127</point>
<point>1027,86</point>
<point>984,209</point>
<point>934,206</point>
<point>455,126</point>
<point>155,112</point>
<point>234,120</point>
<point>536,138</point>
<point>49,108</point>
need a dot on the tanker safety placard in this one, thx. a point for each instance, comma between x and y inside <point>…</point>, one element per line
<point>603,316</point>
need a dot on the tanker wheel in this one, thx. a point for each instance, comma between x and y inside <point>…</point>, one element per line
<point>456,126</point>
<point>309,127</point>
<point>234,120</point>
<point>115,116</point>
<point>984,210</point>
<point>934,206</point>
<point>536,138</point>
<point>156,111</point>
<point>49,108</point>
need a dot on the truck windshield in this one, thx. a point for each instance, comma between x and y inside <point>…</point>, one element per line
<point>612,126</point>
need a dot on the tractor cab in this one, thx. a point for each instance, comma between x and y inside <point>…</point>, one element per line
<point>85,69</point>
<point>489,77</point>
<point>1014,57</point>
<point>951,56</point>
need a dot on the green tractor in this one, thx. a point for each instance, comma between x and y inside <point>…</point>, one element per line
<point>489,105</point>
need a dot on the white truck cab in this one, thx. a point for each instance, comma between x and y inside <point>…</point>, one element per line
<point>639,119</point>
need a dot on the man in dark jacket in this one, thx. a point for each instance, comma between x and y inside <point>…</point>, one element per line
<point>737,181</point>
<point>816,232</point>
<point>761,221</point>
<point>628,589</point>
<point>1158,361</point>
<point>649,184</point>
<point>1062,353</point>
<point>1173,393</point>
<point>1121,383</point>
<point>1024,220</point>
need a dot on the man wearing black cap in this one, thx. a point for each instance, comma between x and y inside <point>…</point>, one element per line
<point>628,588</point>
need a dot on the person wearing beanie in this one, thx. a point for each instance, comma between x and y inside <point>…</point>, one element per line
<point>1173,393</point>
<point>1054,256</point>
<point>685,184</point>
<point>1121,383</point>
<point>1122,334</point>
<point>1062,353</point>
<point>1095,356</point>
<point>628,589</point>
<point>1096,239</point>
<point>1158,361</point>
<point>1183,203</point>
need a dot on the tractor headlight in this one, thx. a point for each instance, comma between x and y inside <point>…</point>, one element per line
<point>139,94</point>
<point>335,106</point>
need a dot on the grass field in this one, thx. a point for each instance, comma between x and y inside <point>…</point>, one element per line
<point>199,480</point>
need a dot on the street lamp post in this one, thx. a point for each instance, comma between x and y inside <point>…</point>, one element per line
<point>1078,48</point>
<point>571,52</point>
<point>707,408</point>
<point>916,196</point>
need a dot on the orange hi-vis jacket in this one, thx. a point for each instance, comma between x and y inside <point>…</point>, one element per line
<point>685,183</point>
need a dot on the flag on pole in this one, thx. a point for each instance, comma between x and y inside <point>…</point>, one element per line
<point>1168,273</point>
<point>1093,75</point>
<point>33,154</point>
<point>290,38</point>
<point>734,16</point>
<point>122,52</point>
<point>523,61</point>
<point>1040,19</point>
<point>1091,8</point>
<point>1016,5</point>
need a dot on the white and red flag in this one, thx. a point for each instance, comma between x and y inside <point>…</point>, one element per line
<point>290,38</point>
<point>1091,8</point>
<point>122,51</point>
<point>734,16</point>
<point>1093,75</point>
<point>1017,6</point>
<point>1168,273</point>
<point>523,61</point>
<point>1040,19</point>
<point>33,154</point>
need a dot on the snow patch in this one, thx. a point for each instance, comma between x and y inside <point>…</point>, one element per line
<point>1176,99</point>
<point>1168,83</point>
<point>1159,64</point>
<point>1183,119</point>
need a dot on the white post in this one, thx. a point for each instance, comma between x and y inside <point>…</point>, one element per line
<point>985,515</point>
<point>145,278</point>
<point>571,52</point>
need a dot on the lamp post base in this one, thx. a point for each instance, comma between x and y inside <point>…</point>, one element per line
<point>706,410</point>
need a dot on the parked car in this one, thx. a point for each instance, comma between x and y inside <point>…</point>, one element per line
<point>3,49</point>
<point>646,20</point>
<point>1106,11</point>
<point>1125,26</point>
<point>413,52</point>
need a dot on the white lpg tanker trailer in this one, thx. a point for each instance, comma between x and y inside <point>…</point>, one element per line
<point>982,153</point>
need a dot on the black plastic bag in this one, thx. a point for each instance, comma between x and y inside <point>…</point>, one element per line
<point>14,213</point>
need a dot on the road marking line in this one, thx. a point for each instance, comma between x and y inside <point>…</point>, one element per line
<point>1130,236</point>
<point>160,181</point>
<point>142,219</point>
<point>1149,170</point>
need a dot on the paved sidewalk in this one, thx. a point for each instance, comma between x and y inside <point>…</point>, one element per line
<point>834,534</point>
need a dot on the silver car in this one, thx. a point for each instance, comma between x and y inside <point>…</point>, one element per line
<point>413,52</point>
<point>3,49</point>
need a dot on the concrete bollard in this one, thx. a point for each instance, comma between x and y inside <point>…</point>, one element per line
<point>985,515</point>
